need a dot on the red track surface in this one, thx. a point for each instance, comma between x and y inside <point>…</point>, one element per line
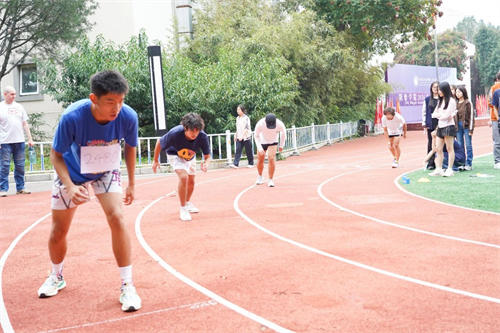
<point>282,255</point>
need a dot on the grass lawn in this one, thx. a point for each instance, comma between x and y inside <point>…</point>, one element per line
<point>479,188</point>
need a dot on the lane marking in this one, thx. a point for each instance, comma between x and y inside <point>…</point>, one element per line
<point>191,283</point>
<point>4,317</point>
<point>192,306</point>
<point>355,263</point>
<point>395,225</point>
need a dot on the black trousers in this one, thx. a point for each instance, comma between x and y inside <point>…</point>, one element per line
<point>430,163</point>
<point>248,150</point>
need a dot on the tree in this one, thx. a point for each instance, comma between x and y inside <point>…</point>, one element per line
<point>39,28</point>
<point>487,42</point>
<point>451,53</point>
<point>375,25</point>
<point>468,28</point>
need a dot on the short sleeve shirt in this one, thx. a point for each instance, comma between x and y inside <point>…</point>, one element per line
<point>175,143</point>
<point>78,128</point>
<point>12,117</point>
<point>395,125</point>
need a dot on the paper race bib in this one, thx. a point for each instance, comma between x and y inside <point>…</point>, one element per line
<point>98,159</point>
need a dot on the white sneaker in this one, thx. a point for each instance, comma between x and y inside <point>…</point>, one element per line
<point>437,172</point>
<point>395,164</point>
<point>233,166</point>
<point>468,167</point>
<point>448,173</point>
<point>259,180</point>
<point>250,166</point>
<point>496,166</point>
<point>270,183</point>
<point>191,208</point>
<point>129,299</point>
<point>51,286</point>
<point>3,194</point>
<point>184,214</point>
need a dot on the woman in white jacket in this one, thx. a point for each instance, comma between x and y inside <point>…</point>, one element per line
<point>445,113</point>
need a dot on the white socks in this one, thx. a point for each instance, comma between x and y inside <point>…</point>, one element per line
<point>57,268</point>
<point>126,274</point>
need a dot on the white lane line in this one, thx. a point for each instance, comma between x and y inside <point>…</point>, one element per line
<point>192,306</point>
<point>191,283</point>
<point>355,263</point>
<point>395,225</point>
<point>4,317</point>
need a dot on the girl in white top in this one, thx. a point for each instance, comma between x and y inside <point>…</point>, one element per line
<point>394,127</point>
<point>445,113</point>
<point>243,137</point>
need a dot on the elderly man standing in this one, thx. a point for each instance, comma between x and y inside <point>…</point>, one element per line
<point>13,124</point>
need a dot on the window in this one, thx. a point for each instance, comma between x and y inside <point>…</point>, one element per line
<point>28,83</point>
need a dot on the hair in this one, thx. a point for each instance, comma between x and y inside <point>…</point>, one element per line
<point>106,82</point>
<point>446,90</point>
<point>193,121</point>
<point>464,92</point>
<point>432,102</point>
<point>390,110</point>
<point>243,109</point>
<point>497,77</point>
<point>7,89</point>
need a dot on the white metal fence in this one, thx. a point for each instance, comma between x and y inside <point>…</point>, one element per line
<point>223,147</point>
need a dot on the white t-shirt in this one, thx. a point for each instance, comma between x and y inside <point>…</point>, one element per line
<point>264,135</point>
<point>243,129</point>
<point>12,117</point>
<point>446,116</point>
<point>395,125</point>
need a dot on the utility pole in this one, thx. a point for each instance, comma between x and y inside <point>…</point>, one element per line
<point>436,55</point>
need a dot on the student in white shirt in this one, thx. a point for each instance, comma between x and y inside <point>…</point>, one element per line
<point>266,138</point>
<point>445,113</point>
<point>394,127</point>
<point>243,137</point>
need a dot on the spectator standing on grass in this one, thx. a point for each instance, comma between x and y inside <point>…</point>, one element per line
<point>495,129</point>
<point>430,124</point>
<point>243,137</point>
<point>13,124</point>
<point>445,113</point>
<point>465,124</point>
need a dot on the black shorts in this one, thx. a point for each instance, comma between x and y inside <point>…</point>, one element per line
<point>266,145</point>
<point>394,135</point>
<point>446,131</point>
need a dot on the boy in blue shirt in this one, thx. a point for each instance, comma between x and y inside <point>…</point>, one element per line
<point>181,144</point>
<point>86,152</point>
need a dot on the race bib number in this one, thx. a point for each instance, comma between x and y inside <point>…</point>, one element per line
<point>98,159</point>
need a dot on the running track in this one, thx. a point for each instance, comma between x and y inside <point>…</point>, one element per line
<point>336,246</point>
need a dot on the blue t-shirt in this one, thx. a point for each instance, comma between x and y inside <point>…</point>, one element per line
<point>175,143</point>
<point>78,128</point>
<point>495,99</point>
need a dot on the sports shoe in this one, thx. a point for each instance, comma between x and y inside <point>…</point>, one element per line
<point>437,172</point>
<point>129,299</point>
<point>3,194</point>
<point>395,164</point>
<point>191,208</point>
<point>468,167</point>
<point>448,173</point>
<point>250,166</point>
<point>496,166</point>
<point>23,191</point>
<point>51,286</point>
<point>233,166</point>
<point>270,183</point>
<point>184,214</point>
<point>259,180</point>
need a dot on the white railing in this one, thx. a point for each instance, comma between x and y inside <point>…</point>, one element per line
<point>223,146</point>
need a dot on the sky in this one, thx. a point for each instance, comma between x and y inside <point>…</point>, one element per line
<point>455,10</point>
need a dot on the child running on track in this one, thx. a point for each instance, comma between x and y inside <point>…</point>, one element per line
<point>266,138</point>
<point>90,130</point>
<point>394,126</point>
<point>181,143</point>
